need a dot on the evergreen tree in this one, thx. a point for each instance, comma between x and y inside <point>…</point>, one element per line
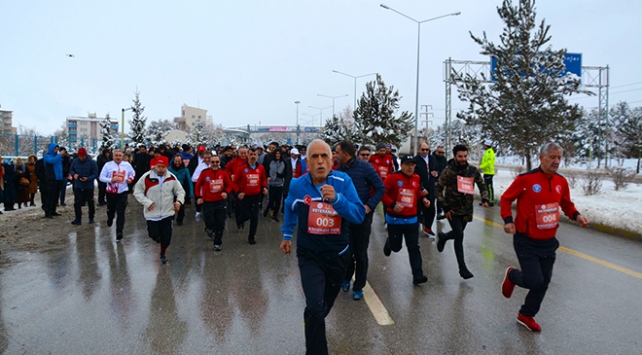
<point>199,135</point>
<point>587,136</point>
<point>375,119</point>
<point>526,105</point>
<point>137,123</point>
<point>340,128</point>
<point>618,116</point>
<point>157,129</point>
<point>631,133</point>
<point>108,139</point>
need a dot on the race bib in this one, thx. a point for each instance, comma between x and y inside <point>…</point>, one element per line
<point>252,179</point>
<point>406,197</point>
<point>216,186</point>
<point>465,185</point>
<point>120,175</point>
<point>548,215</point>
<point>383,172</point>
<point>323,219</point>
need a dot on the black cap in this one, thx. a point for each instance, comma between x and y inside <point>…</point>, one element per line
<point>405,158</point>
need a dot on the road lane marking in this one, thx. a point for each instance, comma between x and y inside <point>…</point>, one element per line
<point>578,254</point>
<point>377,308</point>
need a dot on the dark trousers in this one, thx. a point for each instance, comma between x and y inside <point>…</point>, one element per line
<point>428,214</point>
<point>321,278</point>
<point>198,207</point>
<point>359,241</point>
<point>457,225</point>
<point>53,188</point>
<point>180,215</point>
<point>116,204</point>
<point>536,258</point>
<point>274,199</point>
<point>42,186</point>
<point>410,232</point>
<point>160,231</point>
<point>488,180</point>
<point>82,196</point>
<point>248,208</point>
<point>63,191</point>
<point>214,215</point>
<point>102,187</point>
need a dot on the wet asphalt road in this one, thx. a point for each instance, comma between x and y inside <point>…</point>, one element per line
<point>99,297</point>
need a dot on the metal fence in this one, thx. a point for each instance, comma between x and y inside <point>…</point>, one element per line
<point>18,145</point>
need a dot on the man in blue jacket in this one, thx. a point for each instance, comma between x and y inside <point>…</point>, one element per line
<point>323,203</point>
<point>370,189</point>
<point>53,176</point>
<point>84,171</point>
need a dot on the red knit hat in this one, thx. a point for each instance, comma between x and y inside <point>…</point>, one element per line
<point>82,152</point>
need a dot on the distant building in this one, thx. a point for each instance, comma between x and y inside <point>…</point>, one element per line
<point>191,117</point>
<point>79,128</point>
<point>6,121</point>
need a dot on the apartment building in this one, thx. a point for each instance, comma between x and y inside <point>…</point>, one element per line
<point>191,117</point>
<point>6,122</point>
<point>79,128</point>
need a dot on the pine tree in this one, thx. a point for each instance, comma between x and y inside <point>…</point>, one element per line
<point>137,123</point>
<point>375,119</point>
<point>157,129</point>
<point>618,116</point>
<point>631,133</point>
<point>526,105</point>
<point>108,140</point>
<point>199,135</point>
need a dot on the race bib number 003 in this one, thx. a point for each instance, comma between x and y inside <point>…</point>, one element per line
<point>548,215</point>
<point>323,219</point>
<point>465,185</point>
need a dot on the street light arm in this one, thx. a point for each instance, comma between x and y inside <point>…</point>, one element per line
<point>402,14</point>
<point>442,16</point>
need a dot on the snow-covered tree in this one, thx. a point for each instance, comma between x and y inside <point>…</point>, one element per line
<point>340,128</point>
<point>108,139</point>
<point>618,116</point>
<point>199,135</point>
<point>526,105</point>
<point>138,133</point>
<point>157,129</point>
<point>375,119</point>
<point>631,133</point>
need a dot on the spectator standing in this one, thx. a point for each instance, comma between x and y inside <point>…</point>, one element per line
<point>9,180</point>
<point>84,172</point>
<point>66,164</point>
<point>33,184</point>
<point>54,178</point>
<point>487,167</point>
<point>103,158</point>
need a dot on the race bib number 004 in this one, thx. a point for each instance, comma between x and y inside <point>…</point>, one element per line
<point>465,185</point>
<point>323,219</point>
<point>548,215</point>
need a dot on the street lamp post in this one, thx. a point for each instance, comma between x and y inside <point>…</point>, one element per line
<point>355,84</point>
<point>122,127</point>
<point>332,97</point>
<point>298,133</point>
<point>418,47</point>
<point>321,111</point>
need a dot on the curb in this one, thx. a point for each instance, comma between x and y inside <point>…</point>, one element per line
<point>616,231</point>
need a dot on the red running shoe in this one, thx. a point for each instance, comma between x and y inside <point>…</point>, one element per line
<point>429,231</point>
<point>529,323</point>
<point>507,285</point>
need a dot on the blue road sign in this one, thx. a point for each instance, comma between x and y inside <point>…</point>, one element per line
<point>572,61</point>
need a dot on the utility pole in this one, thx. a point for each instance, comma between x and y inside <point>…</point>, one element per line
<point>427,114</point>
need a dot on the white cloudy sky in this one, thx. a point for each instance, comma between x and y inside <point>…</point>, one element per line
<point>248,61</point>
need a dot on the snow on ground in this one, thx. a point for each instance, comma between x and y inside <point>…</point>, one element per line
<point>619,209</point>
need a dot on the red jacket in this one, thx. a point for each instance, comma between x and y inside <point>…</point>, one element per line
<point>539,197</point>
<point>234,164</point>
<point>384,166</point>
<point>250,181</point>
<point>211,185</point>
<point>401,189</point>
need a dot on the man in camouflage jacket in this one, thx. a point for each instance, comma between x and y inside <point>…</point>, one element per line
<point>455,194</point>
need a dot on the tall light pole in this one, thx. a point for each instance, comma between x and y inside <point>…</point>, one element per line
<point>355,84</point>
<point>122,127</point>
<point>321,111</point>
<point>418,47</point>
<point>298,133</point>
<point>332,97</point>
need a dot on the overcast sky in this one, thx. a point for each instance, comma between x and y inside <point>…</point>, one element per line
<point>247,62</point>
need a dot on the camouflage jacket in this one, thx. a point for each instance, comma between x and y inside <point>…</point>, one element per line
<point>460,203</point>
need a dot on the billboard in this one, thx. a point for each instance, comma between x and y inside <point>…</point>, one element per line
<point>572,62</point>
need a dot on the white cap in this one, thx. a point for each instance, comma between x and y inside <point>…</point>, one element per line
<point>295,151</point>
<point>488,142</point>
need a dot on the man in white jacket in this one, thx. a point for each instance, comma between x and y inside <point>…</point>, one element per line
<point>156,190</point>
<point>117,174</point>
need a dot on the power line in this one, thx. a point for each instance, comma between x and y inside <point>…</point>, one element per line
<point>621,86</point>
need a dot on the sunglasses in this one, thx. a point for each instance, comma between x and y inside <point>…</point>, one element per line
<point>364,155</point>
<point>424,149</point>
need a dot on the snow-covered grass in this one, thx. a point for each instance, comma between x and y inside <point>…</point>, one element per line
<point>619,209</point>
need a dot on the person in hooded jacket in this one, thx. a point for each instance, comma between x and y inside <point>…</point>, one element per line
<point>54,178</point>
<point>84,172</point>
<point>178,168</point>
<point>9,177</point>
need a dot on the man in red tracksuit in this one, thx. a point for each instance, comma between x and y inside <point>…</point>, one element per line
<point>402,198</point>
<point>231,167</point>
<point>212,188</point>
<point>539,193</point>
<point>382,161</point>
<point>251,185</point>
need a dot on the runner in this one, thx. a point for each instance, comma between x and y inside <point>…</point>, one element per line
<point>539,193</point>
<point>455,194</point>
<point>214,185</point>
<point>117,174</point>
<point>156,191</point>
<point>322,203</point>
<point>251,186</point>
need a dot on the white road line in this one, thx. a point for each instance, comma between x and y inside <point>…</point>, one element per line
<point>376,307</point>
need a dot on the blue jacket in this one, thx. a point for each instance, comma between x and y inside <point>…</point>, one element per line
<point>53,160</point>
<point>366,181</point>
<point>183,176</point>
<point>304,194</point>
<point>88,169</point>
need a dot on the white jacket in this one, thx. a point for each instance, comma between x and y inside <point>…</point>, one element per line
<point>161,192</point>
<point>124,169</point>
